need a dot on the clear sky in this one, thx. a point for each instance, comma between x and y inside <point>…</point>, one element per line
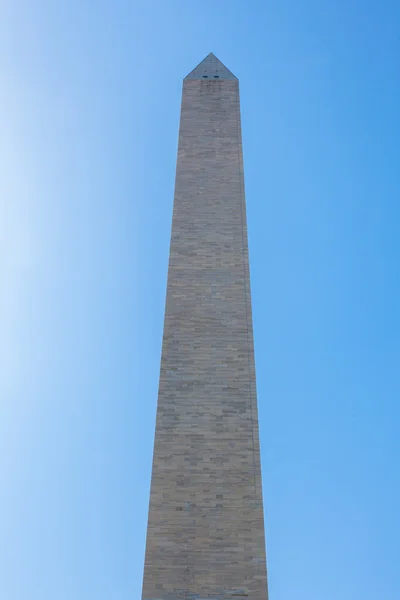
<point>89,113</point>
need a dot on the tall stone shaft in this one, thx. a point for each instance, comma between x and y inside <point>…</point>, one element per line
<point>205,537</point>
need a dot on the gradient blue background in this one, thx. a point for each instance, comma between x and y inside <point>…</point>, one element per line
<point>89,113</point>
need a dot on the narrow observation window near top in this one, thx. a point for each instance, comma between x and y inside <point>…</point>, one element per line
<point>216,76</point>
<point>205,76</point>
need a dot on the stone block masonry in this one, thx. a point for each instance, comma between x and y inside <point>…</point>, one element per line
<point>205,538</point>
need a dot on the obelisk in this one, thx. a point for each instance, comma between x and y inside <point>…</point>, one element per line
<point>205,537</point>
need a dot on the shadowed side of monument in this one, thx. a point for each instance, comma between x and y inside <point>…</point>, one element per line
<point>205,537</point>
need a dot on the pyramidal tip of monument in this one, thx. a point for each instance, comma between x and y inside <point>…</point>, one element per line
<point>211,68</point>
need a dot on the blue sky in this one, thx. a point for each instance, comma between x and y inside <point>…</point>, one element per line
<point>89,113</point>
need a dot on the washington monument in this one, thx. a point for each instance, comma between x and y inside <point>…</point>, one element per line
<point>205,536</point>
